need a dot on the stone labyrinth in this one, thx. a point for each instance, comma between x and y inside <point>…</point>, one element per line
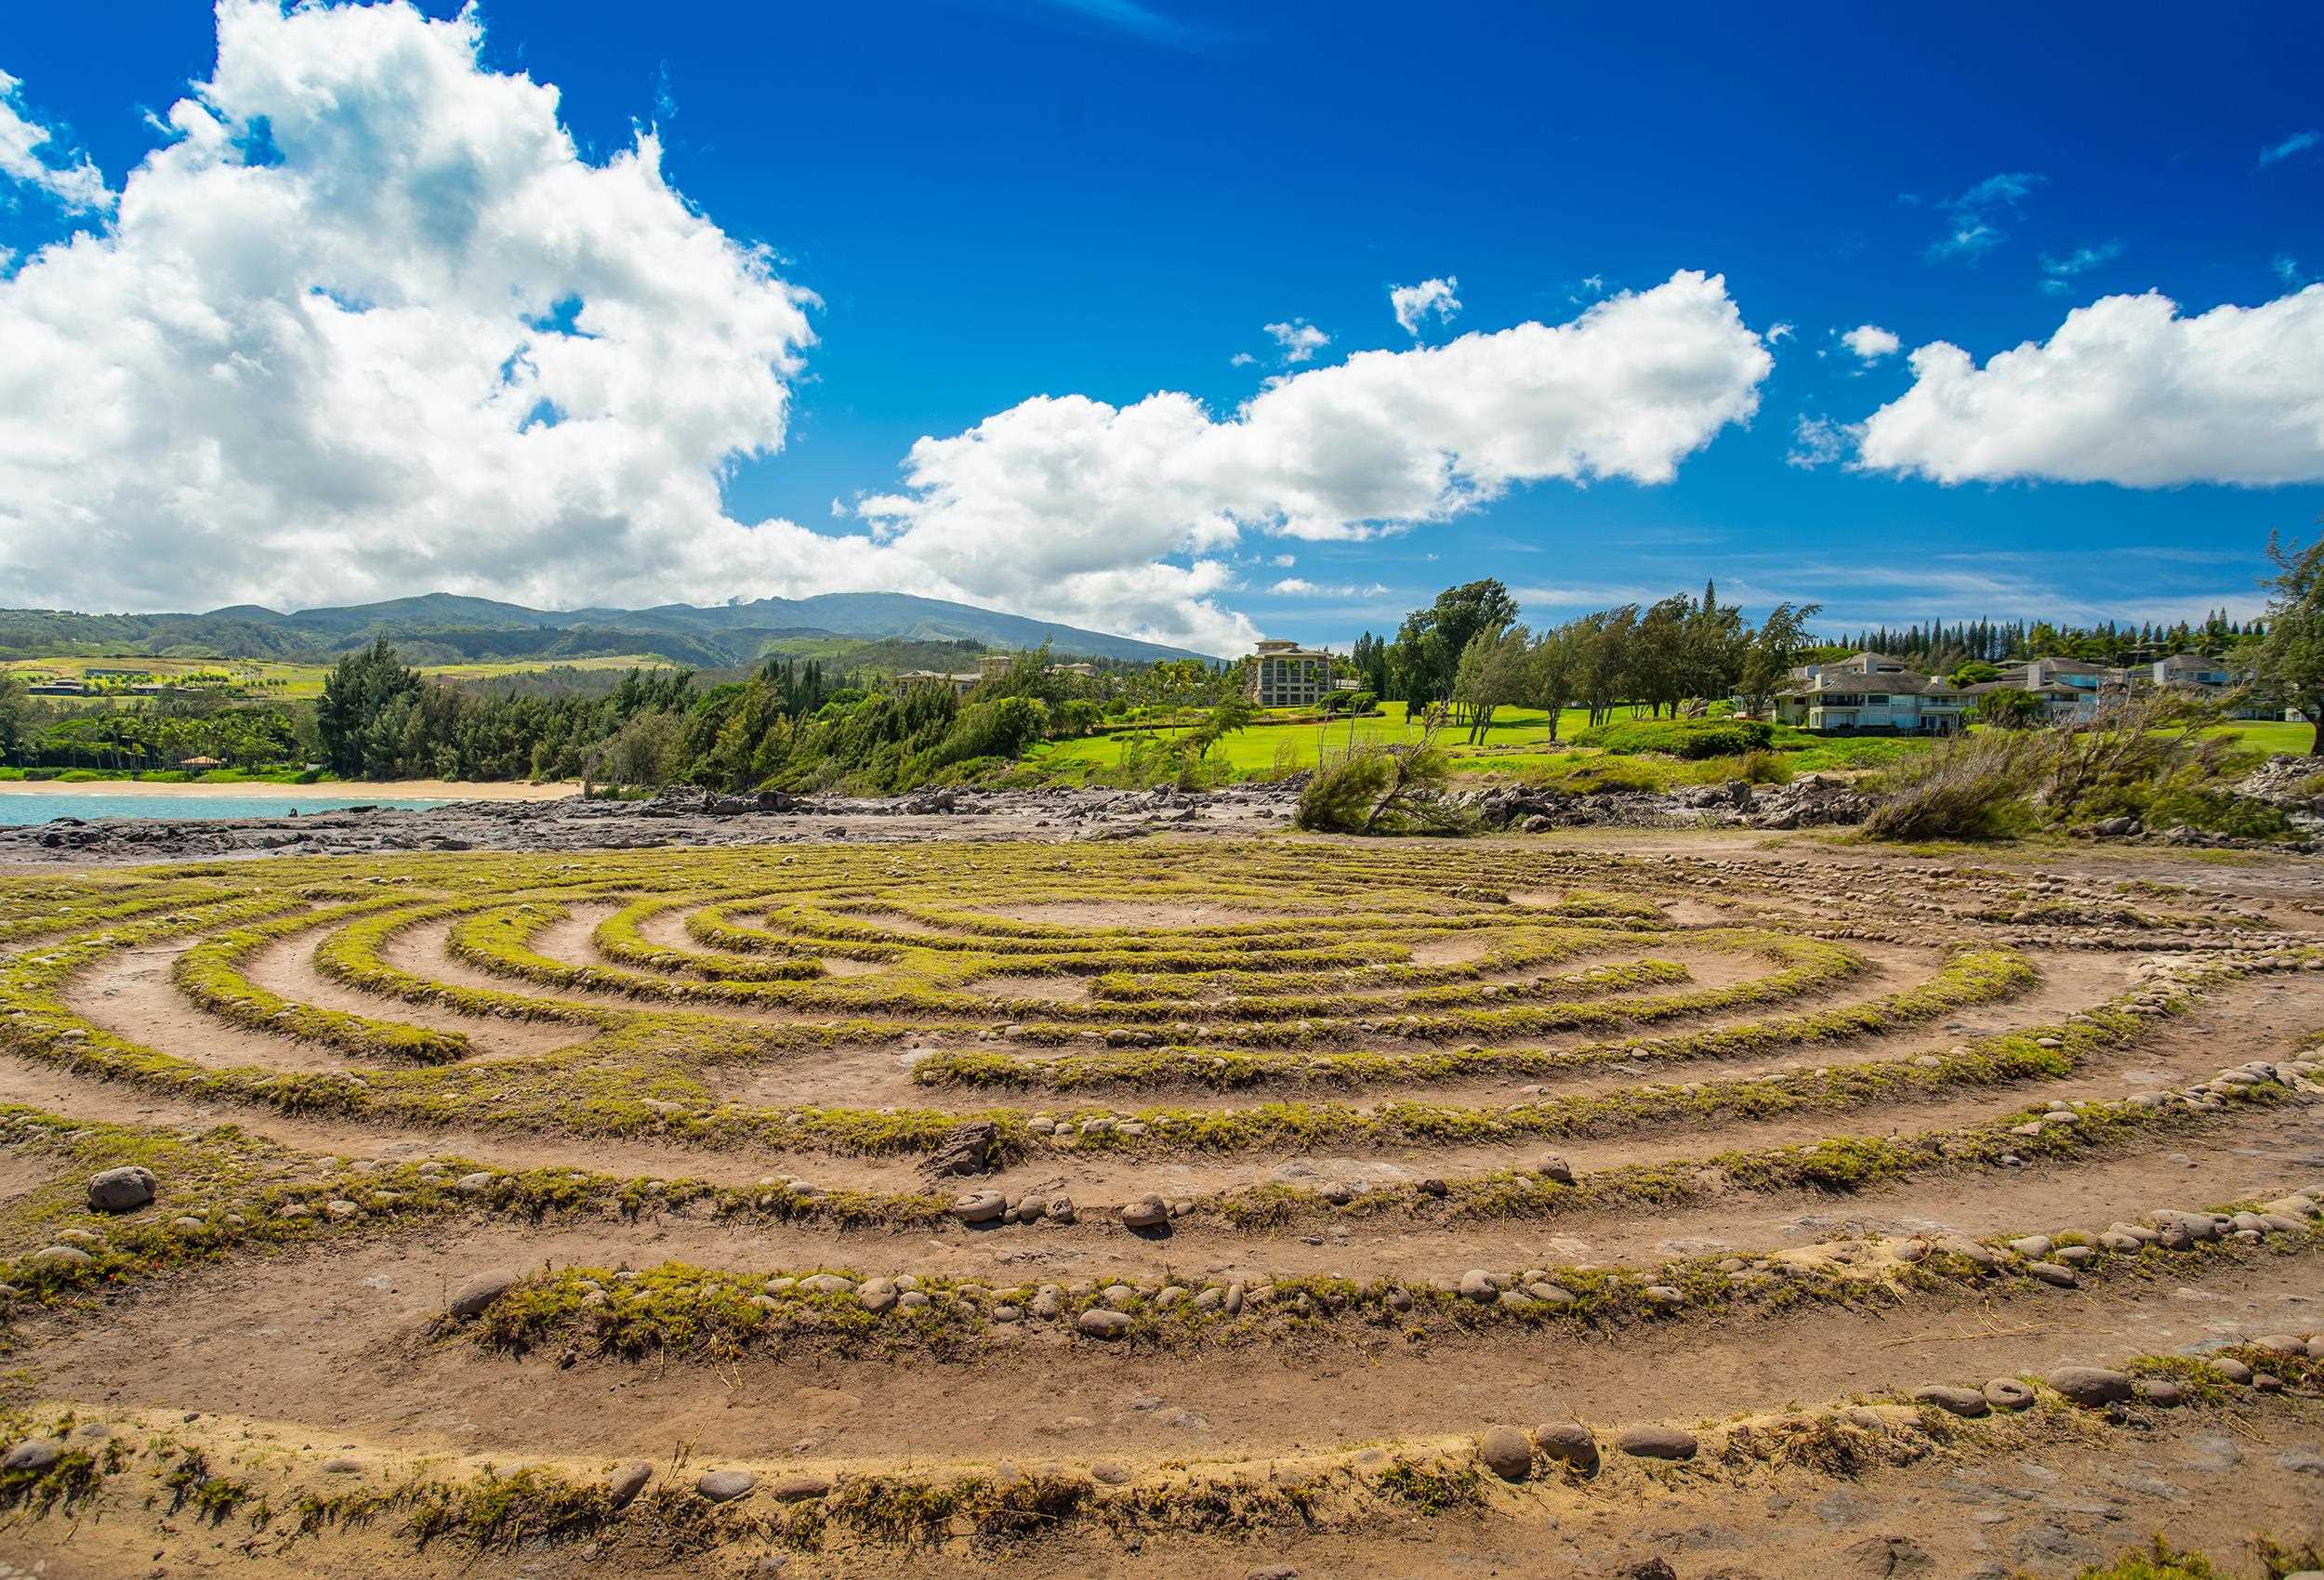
<point>796,1201</point>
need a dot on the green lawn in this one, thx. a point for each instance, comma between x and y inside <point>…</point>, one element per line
<point>1518,746</point>
<point>2272,735</point>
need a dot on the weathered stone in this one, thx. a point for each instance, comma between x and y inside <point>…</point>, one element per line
<point>1478,1286</point>
<point>876,1293</point>
<point>979,1207</point>
<point>1656,1443</point>
<point>1147,1212</point>
<point>1555,1167</point>
<point>2159,1390</point>
<point>799,1488</point>
<point>724,1486</point>
<point>1506,1452</point>
<point>2232,1369</point>
<point>1569,1442</point>
<point>969,1147</point>
<point>1100,1322</point>
<point>627,1483</point>
<point>1956,1401</point>
<point>1887,1558</point>
<point>121,1189</point>
<point>2051,1272</point>
<point>59,1257</point>
<point>34,1455</point>
<point>827,1283</point>
<point>2008,1393</point>
<point>2091,1386</point>
<point>472,1297</point>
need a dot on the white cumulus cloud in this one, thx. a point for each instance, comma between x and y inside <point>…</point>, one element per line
<point>1413,303</point>
<point>1871,342</point>
<point>1059,489</point>
<point>2126,391</point>
<point>76,183</point>
<point>1300,340</point>
<point>425,344</point>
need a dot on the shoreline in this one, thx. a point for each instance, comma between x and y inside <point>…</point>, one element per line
<point>385,790</point>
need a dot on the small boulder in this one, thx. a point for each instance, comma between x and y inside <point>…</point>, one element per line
<point>627,1483</point>
<point>1506,1452</point>
<point>1147,1212</point>
<point>979,1207</point>
<point>1569,1442</point>
<point>2008,1393</point>
<point>472,1297</point>
<point>2091,1386</point>
<point>34,1455</point>
<point>801,1488</point>
<point>2161,1391</point>
<point>1656,1443</point>
<point>1556,1168</point>
<point>1100,1322</point>
<point>724,1486</point>
<point>121,1189</point>
<point>1954,1401</point>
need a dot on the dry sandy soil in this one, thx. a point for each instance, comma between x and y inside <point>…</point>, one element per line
<point>2152,1054</point>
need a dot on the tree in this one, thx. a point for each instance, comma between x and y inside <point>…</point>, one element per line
<point>2011,707</point>
<point>1775,648</point>
<point>1555,666</point>
<point>2287,662</point>
<point>13,726</point>
<point>361,714</point>
<point>1496,669</point>
<point>1425,660</point>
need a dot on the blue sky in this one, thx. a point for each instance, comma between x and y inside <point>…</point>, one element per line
<point>995,200</point>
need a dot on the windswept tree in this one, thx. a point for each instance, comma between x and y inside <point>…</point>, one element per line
<point>1496,670</point>
<point>1425,660</point>
<point>1776,645</point>
<point>2287,662</point>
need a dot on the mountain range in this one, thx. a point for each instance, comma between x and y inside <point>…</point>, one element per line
<point>721,636</point>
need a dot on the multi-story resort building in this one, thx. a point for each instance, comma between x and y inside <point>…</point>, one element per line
<point>1286,675</point>
<point>1871,691</point>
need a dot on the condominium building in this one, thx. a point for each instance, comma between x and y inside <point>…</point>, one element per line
<point>1871,691</point>
<point>1286,675</point>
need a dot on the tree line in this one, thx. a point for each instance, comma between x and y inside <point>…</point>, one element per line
<point>1465,656</point>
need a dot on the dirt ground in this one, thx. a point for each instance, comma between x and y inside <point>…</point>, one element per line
<point>2182,992</point>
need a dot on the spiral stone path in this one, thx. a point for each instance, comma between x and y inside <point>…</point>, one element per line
<point>1159,1206</point>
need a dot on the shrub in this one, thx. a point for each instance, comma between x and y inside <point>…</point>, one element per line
<point>1340,796</point>
<point>1380,790</point>
<point>1689,738</point>
<point>1974,787</point>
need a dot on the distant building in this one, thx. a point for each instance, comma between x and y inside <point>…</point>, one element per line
<point>990,667</point>
<point>961,682</point>
<point>1286,675</point>
<point>1870,692</point>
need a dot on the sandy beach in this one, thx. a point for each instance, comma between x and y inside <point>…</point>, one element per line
<point>387,790</point>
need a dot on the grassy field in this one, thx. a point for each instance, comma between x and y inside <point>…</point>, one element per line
<point>265,680</point>
<point>1519,746</point>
